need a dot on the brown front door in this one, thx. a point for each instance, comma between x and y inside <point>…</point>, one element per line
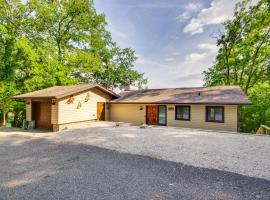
<point>152,115</point>
<point>101,111</point>
<point>41,113</point>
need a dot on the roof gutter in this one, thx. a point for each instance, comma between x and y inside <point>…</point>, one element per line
<point>177,103</point>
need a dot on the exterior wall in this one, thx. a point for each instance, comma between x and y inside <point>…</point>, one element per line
<point>28,110</point>
<point>68,113</point>
<point>54,113</point>
<point>197,119</point>
<point>131,113</point>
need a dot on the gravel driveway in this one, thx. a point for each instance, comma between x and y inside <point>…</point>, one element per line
<point>70,165</point>
<point>240,153</point>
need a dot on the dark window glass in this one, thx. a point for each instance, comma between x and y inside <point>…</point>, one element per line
<point>182,112</point>
<point>162,115</point>
<point>215,113</point>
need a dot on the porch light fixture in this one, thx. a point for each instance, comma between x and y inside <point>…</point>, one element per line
<point>141,107</point>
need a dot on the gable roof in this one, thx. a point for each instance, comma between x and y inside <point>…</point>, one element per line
<point>230,95</point>
<point>58,92</point>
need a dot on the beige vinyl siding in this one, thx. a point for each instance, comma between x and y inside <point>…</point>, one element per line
<point>197,119</point>
<point>131,113</point>
<point>68,113</point>
<point>28,110</point>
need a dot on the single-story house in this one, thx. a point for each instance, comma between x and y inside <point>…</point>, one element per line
<point>215,108</point>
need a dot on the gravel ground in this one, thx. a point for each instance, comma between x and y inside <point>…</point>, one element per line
<point>36,166</point>
<point>239,153</point>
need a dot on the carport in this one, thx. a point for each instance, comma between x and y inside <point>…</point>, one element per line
<point>41,114</point>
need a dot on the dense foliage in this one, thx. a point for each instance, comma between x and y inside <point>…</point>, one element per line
<point>259,112</point>
<point>244,59</point>
<point>46,43</point>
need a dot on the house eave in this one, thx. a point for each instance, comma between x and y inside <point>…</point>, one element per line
<point>181,103</point>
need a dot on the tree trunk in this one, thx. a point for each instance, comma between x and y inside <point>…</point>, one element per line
<point>4,119</point>
<point>59,51</point>
<point>227,81</point>
<point>241,75</point>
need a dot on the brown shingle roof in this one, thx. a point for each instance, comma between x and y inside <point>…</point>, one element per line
<point>196,95</point>
<point>58,92</point>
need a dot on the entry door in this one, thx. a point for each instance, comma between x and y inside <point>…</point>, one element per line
<point>162,115</point>
<point>101,111</point>
<point>152,115</point>
<point>41,113</point>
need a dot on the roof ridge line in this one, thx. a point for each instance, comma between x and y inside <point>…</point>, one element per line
<point>188,87</point>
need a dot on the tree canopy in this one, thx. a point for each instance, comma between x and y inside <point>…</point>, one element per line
<point>244,55</point>
<point>244,58</point>
<point>45,43</point>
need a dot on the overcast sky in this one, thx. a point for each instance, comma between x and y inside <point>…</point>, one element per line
<point>173,39</point>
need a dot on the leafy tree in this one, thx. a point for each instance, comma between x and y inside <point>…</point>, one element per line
<point>83,47</point>
<point>11,23</point>
<point>259,112</point>
<point>48,43</point>
<point>6,104</point>
<point>244,54</point>
<point>117,72</point>
<point>45,43</point>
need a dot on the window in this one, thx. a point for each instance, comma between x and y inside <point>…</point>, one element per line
<point>182,112</point>
<point>162,118</point>
<point>215,114</point>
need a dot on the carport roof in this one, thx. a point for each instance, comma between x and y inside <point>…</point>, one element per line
<point>229,95</point>
<point>58,92</point>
